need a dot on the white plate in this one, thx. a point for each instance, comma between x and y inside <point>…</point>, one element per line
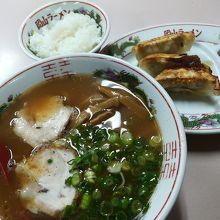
<point>200,115</point>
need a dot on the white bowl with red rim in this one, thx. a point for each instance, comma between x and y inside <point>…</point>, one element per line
<point>170,124</point>
<point>43,16</point>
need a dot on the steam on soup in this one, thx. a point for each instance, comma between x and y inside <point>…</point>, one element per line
<point>82,150</point>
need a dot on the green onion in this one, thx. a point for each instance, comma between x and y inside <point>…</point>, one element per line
<point>50,161</point>
<point>85,201</point>
<point>90,176</point>
<point>106,208</point>
<point>146,207</point>
<point>97,194</point>
<point>126,165</point>
<point>74,132</point>
<point>126,138</point>
<point>108,181</point>
<point>143,191</point>
<point>115,202</point>
<point>105,147</point>
<point>60,142</point>
<point>103,170</point>
<point>115,167</point>
<point>68,211</point>
<point>121,216</point>
<point>149,156</point>
<point>68,181</point>
<point>139,144</point>
<point>136,171</point>
<point>81,216</point>
<point>74,161</point>
<point>123,191</point>
<point>100,135</point>
<point>141,160</point>
<point>97,168</point>
<point>109,156</point>
<point>155,141</point>
<point>113,137</point>
<point>136,206</point>
<point>95,158</point>
<point>73,180</point>
<point>124,203</point>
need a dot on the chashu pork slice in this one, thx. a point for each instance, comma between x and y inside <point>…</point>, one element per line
<point>41,179</point>
<point>42,120</point>
<point>156,63</point>
<point>199,81</point>
<point>174,43</point>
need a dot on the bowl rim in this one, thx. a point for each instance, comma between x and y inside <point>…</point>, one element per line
<point>30,15</point>
<point>177,182</point>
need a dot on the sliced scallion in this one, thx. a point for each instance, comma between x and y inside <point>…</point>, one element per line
<point>149,156</point>
<point>141,160</point>
<point>126,165</point>
<point>108,182</point>
<point>95,158</point>
<point>113,137</point>
<point>136,206</point>
<point>97,194</point>
<point>85,201</point>
<point>97,168</point>
<point>106,208</point>
<point>121,215</point>
<point>115,202</point>
<point>90,176</point>
<point>115,167</point>
<point>124,203</point>
<point>74,180</point>
<point>68,211</point>
<point>126,138</point>
<point>155,141</point>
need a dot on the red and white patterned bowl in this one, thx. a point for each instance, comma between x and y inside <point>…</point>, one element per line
<point>44,15</point>
<point>172,130</point>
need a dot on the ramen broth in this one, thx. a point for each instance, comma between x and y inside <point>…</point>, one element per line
<point>76,89</point>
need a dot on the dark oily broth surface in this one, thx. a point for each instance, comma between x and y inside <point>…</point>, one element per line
<point>76,90</point>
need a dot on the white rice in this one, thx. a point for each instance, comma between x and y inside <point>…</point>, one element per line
<point>75,33</point>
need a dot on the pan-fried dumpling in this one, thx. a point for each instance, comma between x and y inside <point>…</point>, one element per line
<point>156,63</point>
<point>175,43</point>
<point>190,80</point>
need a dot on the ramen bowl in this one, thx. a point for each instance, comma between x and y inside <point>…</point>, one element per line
<point>44,27</point>
<point>174,149</point>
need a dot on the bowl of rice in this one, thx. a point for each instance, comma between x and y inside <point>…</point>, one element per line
<point>62,28</point>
